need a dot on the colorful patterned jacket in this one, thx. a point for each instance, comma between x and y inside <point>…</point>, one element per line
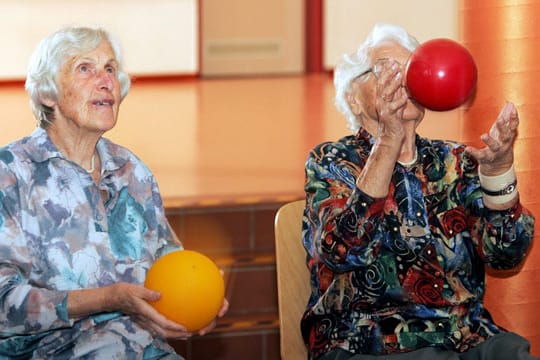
<point>404,272</point>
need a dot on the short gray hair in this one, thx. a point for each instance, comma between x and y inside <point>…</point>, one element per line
<point>49,56</point>
<point>358,62</point>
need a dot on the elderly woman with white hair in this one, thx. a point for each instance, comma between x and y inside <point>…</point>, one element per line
<point>398,228</point>
<point>81,218</point>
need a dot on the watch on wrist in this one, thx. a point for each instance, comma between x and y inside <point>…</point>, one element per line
<point>510,188</point>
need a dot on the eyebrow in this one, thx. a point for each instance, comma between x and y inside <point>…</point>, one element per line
<point>93,61</point>
<point>112,62</point>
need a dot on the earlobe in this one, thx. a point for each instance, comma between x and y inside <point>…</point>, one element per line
<point>48,102</point>
<point>354,104</point>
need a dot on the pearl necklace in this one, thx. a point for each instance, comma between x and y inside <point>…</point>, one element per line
<point>92,164</point>
<point>409,163</point>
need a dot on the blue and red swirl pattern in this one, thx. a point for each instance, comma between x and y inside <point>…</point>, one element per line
<point>404,272</point>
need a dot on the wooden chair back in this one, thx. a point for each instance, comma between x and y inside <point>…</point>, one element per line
<point>292,279</point>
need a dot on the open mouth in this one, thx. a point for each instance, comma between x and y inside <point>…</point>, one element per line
<point>104,102</point>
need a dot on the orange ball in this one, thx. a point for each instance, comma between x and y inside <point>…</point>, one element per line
<point>191,285</point>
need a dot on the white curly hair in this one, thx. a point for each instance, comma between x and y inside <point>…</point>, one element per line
<point>358,62</point>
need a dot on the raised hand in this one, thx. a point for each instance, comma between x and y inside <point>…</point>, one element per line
<point>391,98</point>
<point>498,154</point>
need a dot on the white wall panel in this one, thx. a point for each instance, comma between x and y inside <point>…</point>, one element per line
<point>158,37</point>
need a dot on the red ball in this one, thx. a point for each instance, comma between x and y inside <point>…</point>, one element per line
<point>441,74</point>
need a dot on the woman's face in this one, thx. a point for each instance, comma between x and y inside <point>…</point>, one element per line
<point>88,91</point>
<point>365,87</point>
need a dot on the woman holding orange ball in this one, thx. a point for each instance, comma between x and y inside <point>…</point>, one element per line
<point>81,218</point>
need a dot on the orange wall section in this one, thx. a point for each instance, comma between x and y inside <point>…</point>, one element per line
<point>504,39</point>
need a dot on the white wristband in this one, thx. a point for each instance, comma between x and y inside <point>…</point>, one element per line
<point>499,189</point>
<point>498,182</point>
<point>500,199</point>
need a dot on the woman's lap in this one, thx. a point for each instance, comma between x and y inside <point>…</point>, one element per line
<point>503,346</point>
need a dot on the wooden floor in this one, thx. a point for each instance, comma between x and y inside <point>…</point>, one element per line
<point>221,142</point>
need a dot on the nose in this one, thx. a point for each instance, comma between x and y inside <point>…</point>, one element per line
<point>105,80</point>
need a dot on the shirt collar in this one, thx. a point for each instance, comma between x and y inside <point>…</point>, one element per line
<point>41,148</point>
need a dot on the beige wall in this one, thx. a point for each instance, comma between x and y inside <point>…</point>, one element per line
<point>244,37</point>
<point>158,36</point>
<point>347,22</point>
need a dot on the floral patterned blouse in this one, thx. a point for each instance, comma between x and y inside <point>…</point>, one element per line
<point>60,231</point>
<point>400,273</point>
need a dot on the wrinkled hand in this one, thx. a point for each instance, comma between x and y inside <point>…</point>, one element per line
<point>133,300</point>
<point>391,100</point>
<point>222,311</point>
<point>498,154</point>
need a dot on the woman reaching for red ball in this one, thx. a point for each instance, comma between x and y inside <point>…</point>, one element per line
<point>398,228</point>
